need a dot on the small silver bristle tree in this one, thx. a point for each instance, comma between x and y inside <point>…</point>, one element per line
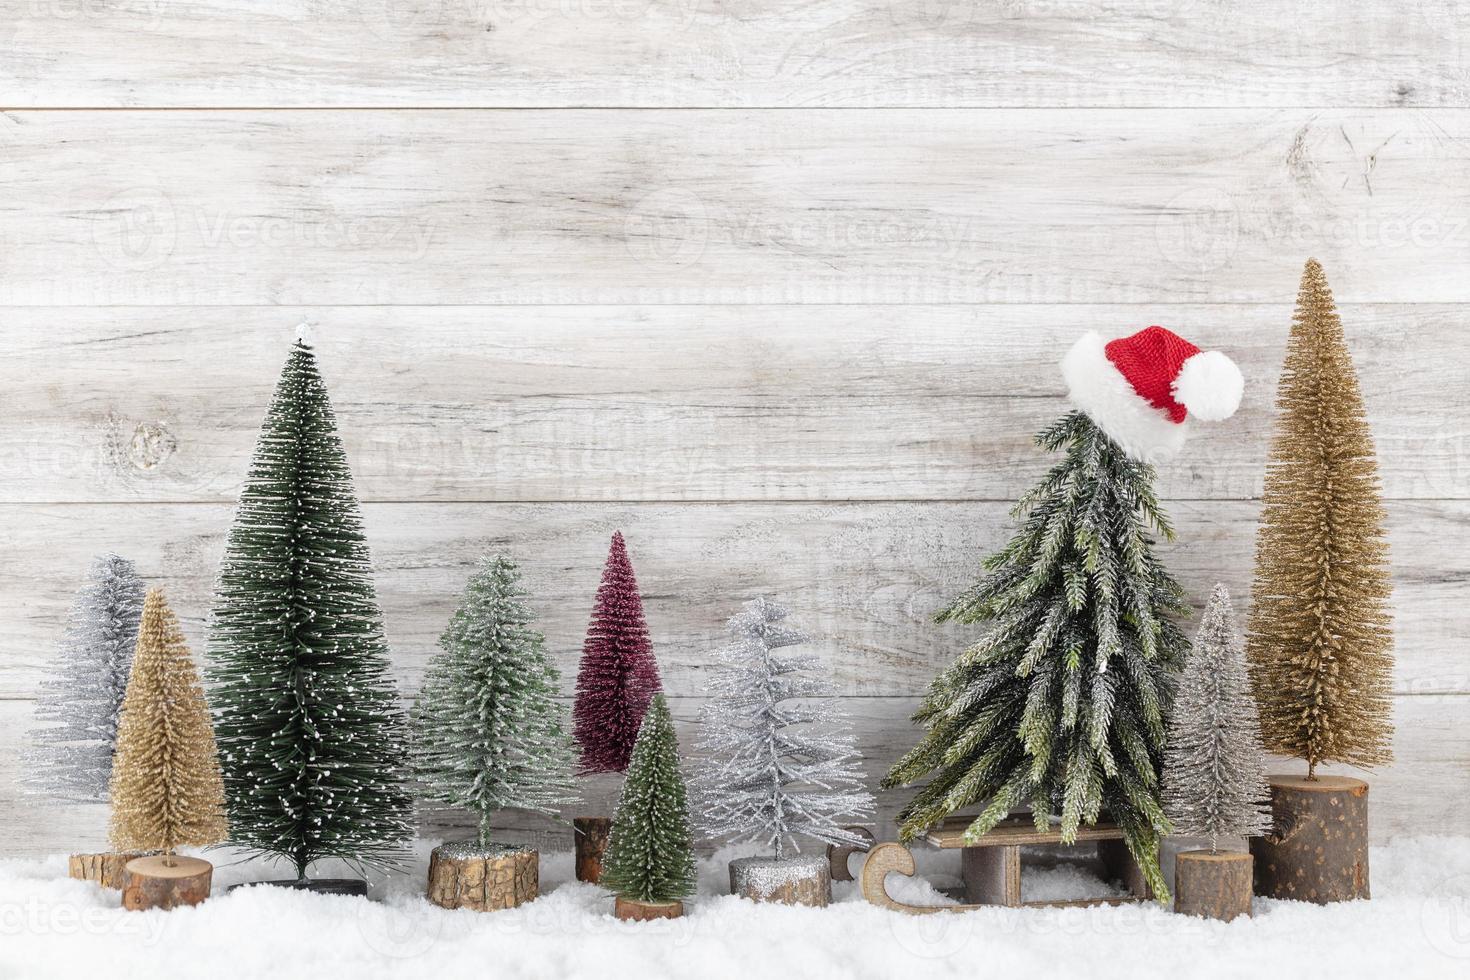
<point>1214,766</point>
<point>79,705</point>
<point>781,762</point>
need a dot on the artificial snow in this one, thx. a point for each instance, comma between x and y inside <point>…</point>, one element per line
<point>1417,926</point>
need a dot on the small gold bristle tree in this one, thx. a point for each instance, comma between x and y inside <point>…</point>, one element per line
<point>166,786</point>
<point>1320,638</point>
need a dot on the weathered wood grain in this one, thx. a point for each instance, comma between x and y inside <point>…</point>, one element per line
<point>665,402</point>
<point>865,578</point>
<point>799,206</point>
<point>740,53</point>
<point>1431,765</point>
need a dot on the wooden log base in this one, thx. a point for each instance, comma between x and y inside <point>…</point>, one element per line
<point>632,910</point>
<point>1213,885</point>
<point>1317,850</point>
<point>105,868</point>
<point>591,835</point>
<point>162,881</point>
<point>465,876</point>
<point>837,854</point>
<point>791,881</point>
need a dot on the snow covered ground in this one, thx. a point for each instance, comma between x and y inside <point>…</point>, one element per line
<point>1417,926</point>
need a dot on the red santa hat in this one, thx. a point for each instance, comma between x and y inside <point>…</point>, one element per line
<point>1143,389</point>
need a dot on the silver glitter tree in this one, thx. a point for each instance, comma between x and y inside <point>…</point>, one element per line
<point>1214,766</point>
<point>79,704</point>
<point>781,762</point>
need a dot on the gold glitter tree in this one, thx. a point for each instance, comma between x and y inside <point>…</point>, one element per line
<point>1320,639</point>
<point>166,785</point>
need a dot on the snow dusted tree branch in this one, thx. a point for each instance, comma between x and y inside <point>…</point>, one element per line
<point>781,759</point>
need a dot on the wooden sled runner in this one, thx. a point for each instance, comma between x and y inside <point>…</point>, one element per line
<point>991,867</point>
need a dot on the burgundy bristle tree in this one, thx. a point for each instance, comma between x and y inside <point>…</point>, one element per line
<point>618,676</point>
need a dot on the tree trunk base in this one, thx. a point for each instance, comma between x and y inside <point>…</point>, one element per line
<point>791,881</point>
<point>163,882</point>
<point>632,910</point>
<point>1213,885</point>
<point>590,835</point>
<point>105,868</point>
<point>464,876</point>
<point>1317,850</point>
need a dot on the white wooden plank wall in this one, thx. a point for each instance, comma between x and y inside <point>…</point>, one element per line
<point>775,287</point>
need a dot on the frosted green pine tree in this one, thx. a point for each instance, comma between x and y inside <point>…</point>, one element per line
<point>649,857</point>
<point>1061,705</point>
<point>488,730</point>
<point>311,738</point>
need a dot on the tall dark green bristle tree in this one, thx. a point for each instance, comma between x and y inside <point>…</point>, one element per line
<point>311,736</point>
<point>1061,706</point>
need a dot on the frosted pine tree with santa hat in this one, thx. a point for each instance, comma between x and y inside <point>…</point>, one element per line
<point>1060,706</point>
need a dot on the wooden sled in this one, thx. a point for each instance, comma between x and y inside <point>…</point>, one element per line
<point>991,866</point>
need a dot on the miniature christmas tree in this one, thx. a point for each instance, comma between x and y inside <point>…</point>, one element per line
<point>1214,769</point>
<point>311,736</point>
<point>166,787</point>
<point>487,726</point>
<point>618,675</point>
<point>1061,705</point>
<point>1319,641</point>
<point>649,856</point>
<point>78,707</point>
<point>781,762</point>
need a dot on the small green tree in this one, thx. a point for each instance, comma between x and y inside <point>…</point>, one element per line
<point>649,856</point>
<point>488,732</point>
<point>1061,704</point>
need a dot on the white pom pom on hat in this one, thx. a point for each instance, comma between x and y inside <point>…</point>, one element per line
<point>1210,386</point>
<point>1141,389</point>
